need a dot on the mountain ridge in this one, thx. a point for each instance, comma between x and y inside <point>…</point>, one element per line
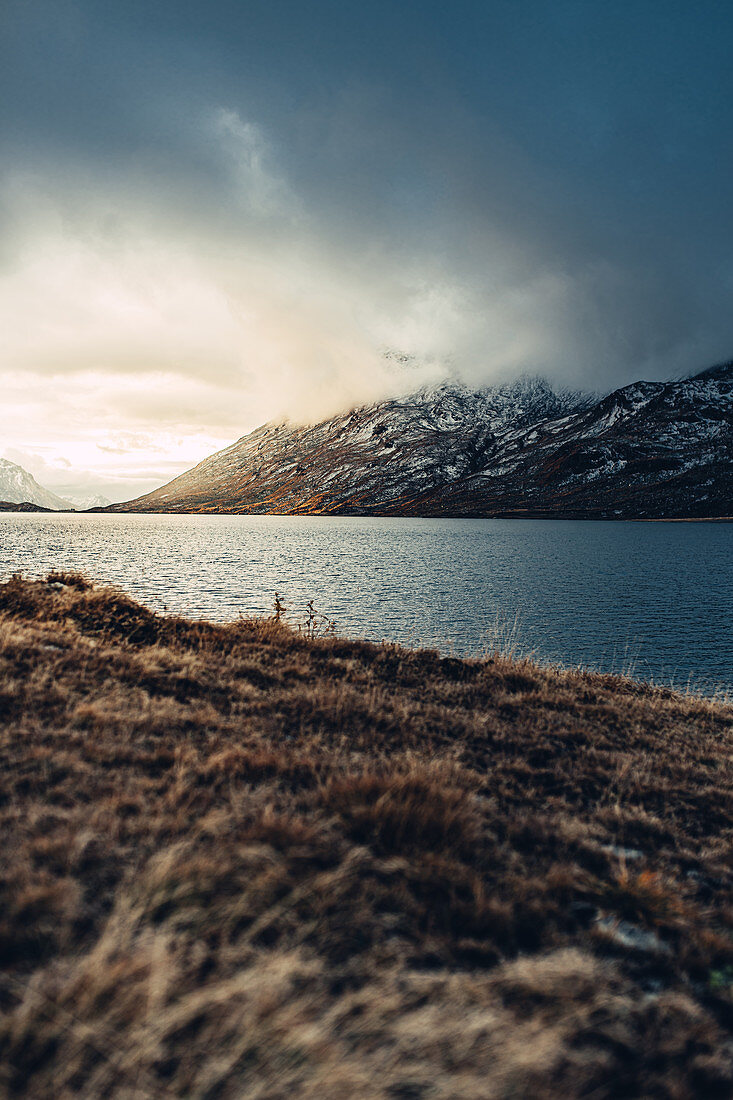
<point>646,450</point>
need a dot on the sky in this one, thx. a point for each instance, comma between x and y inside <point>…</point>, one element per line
<point>218,213</point>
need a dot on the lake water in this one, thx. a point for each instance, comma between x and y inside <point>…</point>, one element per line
<point>652,599</point>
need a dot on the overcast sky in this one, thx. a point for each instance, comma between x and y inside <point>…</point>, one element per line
<point>214,213</point>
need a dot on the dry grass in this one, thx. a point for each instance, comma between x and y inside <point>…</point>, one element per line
<point>239,861</point>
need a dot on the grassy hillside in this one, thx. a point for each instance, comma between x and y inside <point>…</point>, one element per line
<point>243,861</point>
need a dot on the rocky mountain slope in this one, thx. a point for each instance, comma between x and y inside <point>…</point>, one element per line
<point>17,486</point>
<point>651,449</point>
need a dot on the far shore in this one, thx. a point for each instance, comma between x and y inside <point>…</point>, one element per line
<point>6,506</point>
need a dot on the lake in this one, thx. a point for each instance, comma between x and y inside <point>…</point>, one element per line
<point>654,600</point>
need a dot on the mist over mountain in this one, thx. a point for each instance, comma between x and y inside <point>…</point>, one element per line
<point>651,449</point>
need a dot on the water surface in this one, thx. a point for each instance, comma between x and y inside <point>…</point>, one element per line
<point>652,599</point>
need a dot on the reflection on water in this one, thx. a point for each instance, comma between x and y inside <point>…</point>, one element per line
<point>655,599</point>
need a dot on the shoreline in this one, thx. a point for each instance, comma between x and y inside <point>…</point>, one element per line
<point>115,510</point>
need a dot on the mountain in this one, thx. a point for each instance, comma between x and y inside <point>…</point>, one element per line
<point>17,486</point>
<point>82,503</point>
<point>649,450</point>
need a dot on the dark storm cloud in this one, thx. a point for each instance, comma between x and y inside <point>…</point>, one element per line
<point>504,186</point>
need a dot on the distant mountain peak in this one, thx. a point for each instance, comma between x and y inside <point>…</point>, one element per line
<point>17,486</point>
<point>82,502</point>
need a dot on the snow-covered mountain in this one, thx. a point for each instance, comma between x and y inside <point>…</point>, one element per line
<point>82,503</point>
<point>652,449</point>
<point>17,486</point>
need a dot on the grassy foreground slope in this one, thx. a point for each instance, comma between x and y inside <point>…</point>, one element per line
<point>238,861</point>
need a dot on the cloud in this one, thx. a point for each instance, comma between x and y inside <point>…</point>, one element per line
<point>163,329</point>
<point>214,215</point>
<point>261,191</point>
